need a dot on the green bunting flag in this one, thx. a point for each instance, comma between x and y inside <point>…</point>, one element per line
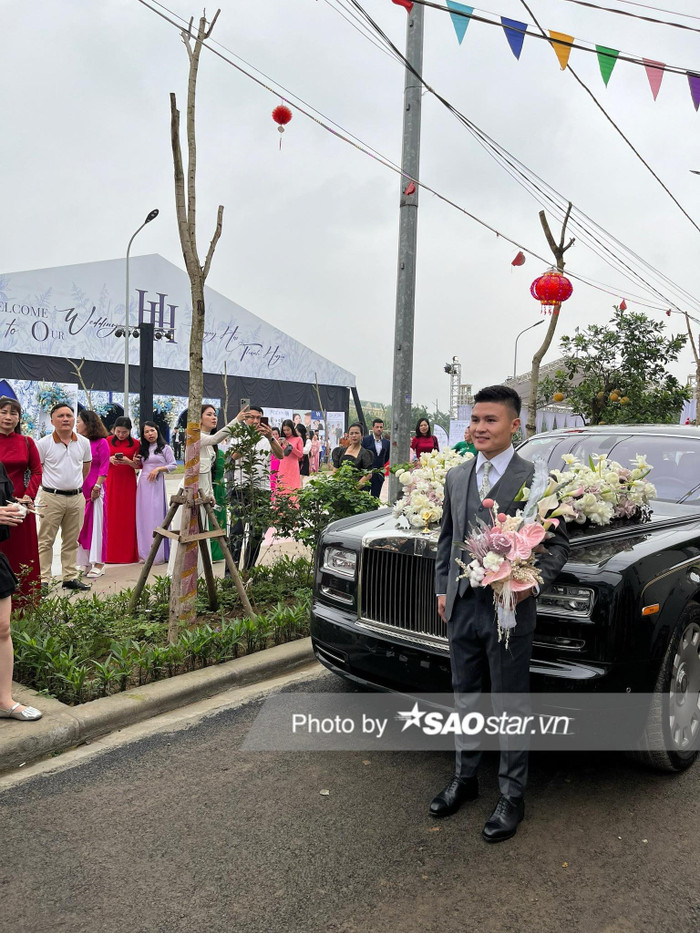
<point>606,59</point>
<point>459,14</point>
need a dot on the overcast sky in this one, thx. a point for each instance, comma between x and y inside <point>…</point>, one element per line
<point>310,233</point>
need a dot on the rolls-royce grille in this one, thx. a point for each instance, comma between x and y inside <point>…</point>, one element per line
<point>398,591</point>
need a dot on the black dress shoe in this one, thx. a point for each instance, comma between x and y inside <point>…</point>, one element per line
<point>457,792</point>
<point>75,585</point>
<point>503,822</point>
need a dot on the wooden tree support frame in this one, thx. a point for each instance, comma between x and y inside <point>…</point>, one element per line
<point>164,531</point>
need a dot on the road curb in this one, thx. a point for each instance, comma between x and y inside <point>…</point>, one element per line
<point>63,727</point>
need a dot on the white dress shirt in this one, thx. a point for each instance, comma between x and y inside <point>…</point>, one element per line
<point>499,464</point>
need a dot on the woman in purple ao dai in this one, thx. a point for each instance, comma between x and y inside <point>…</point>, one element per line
<point>157,459</point>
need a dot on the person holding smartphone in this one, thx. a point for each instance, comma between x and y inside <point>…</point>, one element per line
<point>120,490</point>
<point>240,486</point>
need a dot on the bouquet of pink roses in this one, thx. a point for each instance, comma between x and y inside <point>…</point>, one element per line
<point>503,554</point>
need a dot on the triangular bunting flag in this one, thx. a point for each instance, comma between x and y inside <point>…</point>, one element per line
<point>459,14</point>
<point>655,72</point>
<point>606,59</point>
<point>561,43</point>
<point>408,4</point>
<point>694,82</point>
<point>515,34</point>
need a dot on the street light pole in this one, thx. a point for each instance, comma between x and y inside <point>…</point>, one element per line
<point>515,358</point>
<point>127,327</point>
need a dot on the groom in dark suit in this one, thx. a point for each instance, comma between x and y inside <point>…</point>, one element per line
<point>497,472</point>
<point>380,449</point>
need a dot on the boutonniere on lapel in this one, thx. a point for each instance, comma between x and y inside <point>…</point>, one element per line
<point>503,552</point>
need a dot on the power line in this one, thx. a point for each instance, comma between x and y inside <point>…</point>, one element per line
<point>618,130</point>
<point>356,143</point>
<point>647,19</point>
<point>656,9</point>
<point>590,47</point>
<point>517,169</point>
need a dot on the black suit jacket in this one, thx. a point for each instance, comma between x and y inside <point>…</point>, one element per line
<point>379,461</point>
<point>455,527</point>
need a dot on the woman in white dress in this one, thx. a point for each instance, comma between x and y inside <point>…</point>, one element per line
<point>207,457</point>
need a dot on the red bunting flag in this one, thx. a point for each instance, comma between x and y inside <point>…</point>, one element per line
<point>519,259</point>
<point>410,188</point>
<point>623,305</point>
<point>655,73</point>
<point>668,313</point>
<point>404,3</point>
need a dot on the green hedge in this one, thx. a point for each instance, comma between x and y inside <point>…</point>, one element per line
<point>80,649</point>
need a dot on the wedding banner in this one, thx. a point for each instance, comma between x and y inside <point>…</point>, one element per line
<point>76,311</point>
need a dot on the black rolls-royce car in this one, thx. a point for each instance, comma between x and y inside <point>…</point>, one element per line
<point>624,614</point>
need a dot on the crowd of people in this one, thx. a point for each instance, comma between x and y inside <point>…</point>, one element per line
<point>105,492</point>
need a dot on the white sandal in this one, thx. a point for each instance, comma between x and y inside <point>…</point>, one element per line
<point>26,714</point>
<point>92,574</point>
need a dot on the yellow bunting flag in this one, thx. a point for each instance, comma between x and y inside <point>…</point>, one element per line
<point>561,43</point>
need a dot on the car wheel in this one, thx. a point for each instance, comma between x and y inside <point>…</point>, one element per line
<point>671,738</point>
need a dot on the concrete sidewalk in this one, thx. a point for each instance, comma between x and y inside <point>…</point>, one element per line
<point>118,577</point>
<point>63,727</point>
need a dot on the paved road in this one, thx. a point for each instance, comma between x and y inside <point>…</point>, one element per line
<point>180,831</point>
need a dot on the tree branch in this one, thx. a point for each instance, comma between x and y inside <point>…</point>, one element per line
<point>214,241</point>
<point>180,207</point>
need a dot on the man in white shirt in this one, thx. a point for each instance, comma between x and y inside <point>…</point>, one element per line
<point>239,490</point>
<point>65,460</point>
<point>496,473</point>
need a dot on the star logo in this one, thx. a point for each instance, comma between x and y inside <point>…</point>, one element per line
<point>411,718</point>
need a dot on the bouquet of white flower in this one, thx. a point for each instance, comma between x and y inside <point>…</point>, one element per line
<point>598,493</point>
<point>424,488</point>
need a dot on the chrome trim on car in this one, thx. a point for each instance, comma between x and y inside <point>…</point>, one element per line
<point>667,573</point>
<point>396,588</point>
<point>428,641</point>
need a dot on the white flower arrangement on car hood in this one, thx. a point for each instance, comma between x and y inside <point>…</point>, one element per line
<point>598,493</point>
<point>424,488</point>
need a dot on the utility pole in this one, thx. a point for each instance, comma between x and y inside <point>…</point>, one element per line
<point>402,387</point>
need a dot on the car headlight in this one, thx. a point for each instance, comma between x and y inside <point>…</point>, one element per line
<point>340,561</point>
<point>566,600</point>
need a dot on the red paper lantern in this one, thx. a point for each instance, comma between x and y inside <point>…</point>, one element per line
<point>551,289</point>
<point>281,115</point>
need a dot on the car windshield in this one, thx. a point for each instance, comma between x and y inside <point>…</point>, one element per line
<point>675,460</point>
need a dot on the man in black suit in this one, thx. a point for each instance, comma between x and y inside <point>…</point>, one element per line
<point>496,472</point>
<point>379,448</point>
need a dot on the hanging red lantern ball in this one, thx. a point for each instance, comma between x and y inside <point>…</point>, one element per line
<point>551,289</point>
<point>281,115</point>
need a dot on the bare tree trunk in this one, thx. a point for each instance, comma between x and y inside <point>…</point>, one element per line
<point>696,357</point>
<point>558,249</point>
<point>183,587</point>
